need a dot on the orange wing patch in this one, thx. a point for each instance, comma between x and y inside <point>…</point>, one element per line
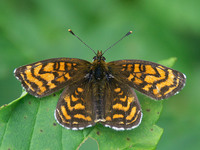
<point>132,113</point>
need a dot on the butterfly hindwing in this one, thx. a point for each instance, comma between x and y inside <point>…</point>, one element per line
<point>151,79</point>
<point>122,109</point>
<point>45,77</point>
<point>75,107</point>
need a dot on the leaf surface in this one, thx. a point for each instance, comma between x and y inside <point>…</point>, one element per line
<point>28,123</point>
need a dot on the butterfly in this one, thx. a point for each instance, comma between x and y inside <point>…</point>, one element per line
<point>99,92</point>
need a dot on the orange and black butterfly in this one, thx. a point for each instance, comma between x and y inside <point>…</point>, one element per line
<point>99,92</point>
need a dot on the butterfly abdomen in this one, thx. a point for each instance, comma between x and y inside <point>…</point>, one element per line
<point>98,92</point>
<point>98,100</point>
<point>99,72</point>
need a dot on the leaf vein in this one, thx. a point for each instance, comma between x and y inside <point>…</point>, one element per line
<point>31,136</point>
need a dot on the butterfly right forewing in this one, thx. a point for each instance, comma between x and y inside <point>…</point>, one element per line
<point>151,79</point>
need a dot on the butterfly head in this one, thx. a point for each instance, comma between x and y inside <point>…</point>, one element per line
<point>99,57</point>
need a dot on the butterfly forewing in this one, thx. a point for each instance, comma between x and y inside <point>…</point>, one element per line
<point>122,109</point>
<point>75,107</point>
<point>151,79</point>
<point>45,77</point>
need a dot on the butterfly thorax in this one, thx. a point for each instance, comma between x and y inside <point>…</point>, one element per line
<point>99,68</point>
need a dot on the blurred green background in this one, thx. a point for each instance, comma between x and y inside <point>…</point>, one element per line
<point>37,29</point>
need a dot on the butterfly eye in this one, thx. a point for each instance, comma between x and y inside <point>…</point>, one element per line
<point>94,58</point>
<point>103,58</point>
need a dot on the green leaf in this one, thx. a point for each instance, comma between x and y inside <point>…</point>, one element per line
<point>28,123</point>
<point>168,62</point>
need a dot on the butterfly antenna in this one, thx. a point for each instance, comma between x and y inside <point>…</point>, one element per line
<point>81,40</point>
<point>127,34</point>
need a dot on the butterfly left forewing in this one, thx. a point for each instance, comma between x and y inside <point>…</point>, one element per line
<point>74,109</point>
<point>122,108</point>
<point>151,79</point>
<point>48,76</point>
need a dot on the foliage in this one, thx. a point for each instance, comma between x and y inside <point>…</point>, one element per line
<point>31,120</point>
